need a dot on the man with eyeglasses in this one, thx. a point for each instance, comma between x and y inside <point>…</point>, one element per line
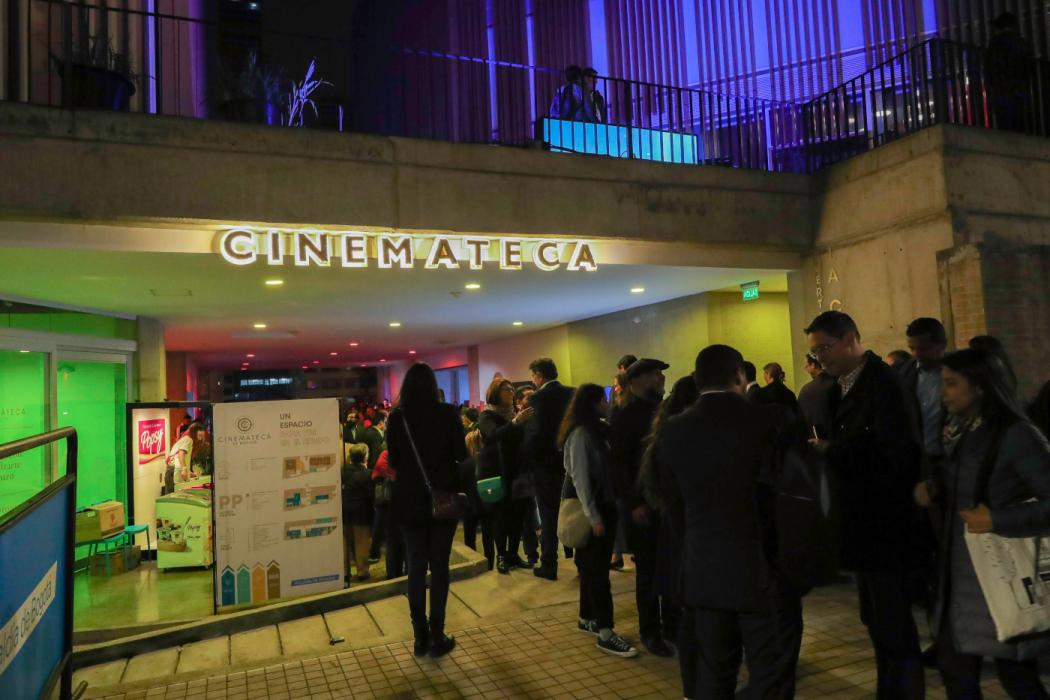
<point>875,458</point>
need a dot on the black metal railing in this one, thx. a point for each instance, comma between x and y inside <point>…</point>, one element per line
<point>84,56</point>
<point>935,82</point>
<point>80,55</point>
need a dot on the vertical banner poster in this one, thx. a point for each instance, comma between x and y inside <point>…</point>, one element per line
<point>278,505</point>
<point>151,433</point>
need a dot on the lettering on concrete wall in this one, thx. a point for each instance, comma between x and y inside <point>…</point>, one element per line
<point>834,304</point>
<point>354,249</point>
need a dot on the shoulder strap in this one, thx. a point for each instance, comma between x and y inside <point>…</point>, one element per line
<point>984,474</point>
<point>422,469</point>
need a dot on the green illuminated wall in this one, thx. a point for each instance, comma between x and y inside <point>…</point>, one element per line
<point>72,322</point>
<point>91,398</point>
<point>23,412</point>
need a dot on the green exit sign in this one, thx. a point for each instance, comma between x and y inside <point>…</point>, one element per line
<point>750,291</point>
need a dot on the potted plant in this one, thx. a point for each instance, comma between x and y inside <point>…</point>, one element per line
<point>251,95</point>
<point>102,77</point>
<point>299,96</point>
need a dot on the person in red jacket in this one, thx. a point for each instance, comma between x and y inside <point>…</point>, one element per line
<point>383,528</point>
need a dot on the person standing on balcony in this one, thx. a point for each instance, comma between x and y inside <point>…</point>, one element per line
<point>568,100</point>
<point>1008,73</point>
<point>594,109</point>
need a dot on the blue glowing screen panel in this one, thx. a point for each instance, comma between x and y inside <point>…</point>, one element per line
<point>620,141</point>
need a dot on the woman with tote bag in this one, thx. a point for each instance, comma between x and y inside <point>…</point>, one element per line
<point>588,478</point>
<point>425,445</point>
<point>996,479</point>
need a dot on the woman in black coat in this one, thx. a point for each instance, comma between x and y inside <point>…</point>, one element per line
<point>437,432</point>
<point>501,438</point>
<point>987,429</point>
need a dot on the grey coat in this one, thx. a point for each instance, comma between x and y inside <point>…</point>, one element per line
<point>1021,472</point>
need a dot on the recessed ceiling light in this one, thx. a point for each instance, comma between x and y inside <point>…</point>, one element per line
<point>274,283</point>
<point>472,286</point>
<point>260,326</point>
<point>354,345</point>
<point>306,366</point>
<point>251,354</point>
<point>24,352</point>
<point>317,362</point>
<point>637,290</point>
<point>411,352</point>
<point>518,323</point>
<point>382,360</point>
<point>395,324</point>
<point>333,354</point>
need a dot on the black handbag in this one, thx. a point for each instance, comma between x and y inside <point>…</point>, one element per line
<point>444,505</point>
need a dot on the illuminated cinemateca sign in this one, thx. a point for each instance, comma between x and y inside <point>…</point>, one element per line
<point>355,249</point>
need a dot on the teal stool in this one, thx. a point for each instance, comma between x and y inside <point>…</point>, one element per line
<point>132,530</point>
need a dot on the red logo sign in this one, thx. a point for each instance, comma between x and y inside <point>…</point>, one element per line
<point>151,438</point>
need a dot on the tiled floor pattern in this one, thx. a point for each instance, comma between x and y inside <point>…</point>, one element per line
<point>541,655</point>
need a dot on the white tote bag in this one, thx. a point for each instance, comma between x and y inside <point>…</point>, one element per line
<point>1014,573</point>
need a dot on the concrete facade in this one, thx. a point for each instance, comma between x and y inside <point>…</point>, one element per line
<point>949,222</point>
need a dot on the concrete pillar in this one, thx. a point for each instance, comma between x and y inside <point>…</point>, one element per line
<point>151,361</point>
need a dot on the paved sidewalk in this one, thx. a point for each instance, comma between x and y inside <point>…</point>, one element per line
<point>525,649</point>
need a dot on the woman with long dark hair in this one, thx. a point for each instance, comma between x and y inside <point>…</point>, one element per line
<point>987,428</point>
<point>665,498</point>
<point>425,442</point>
<point>588,477</point>
<point>501,435</point>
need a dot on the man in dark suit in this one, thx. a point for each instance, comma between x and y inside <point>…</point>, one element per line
<point>813,398</point>
<point>875,455</point>
<point>375,437</point>
<point>752,387</point>
<point>545,459</point>
<point>720,454</point>
<point>775,391</point>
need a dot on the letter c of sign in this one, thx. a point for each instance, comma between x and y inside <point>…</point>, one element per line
<point>238,247</point>
<point>542,259</point>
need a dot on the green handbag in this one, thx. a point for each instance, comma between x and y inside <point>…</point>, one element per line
<point>490,490</point>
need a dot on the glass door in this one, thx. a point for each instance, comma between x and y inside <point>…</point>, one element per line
<point>92,391</point>
<point>23,412</point>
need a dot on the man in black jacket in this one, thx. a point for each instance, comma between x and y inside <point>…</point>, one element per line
<point>720,454</point>
<point>629,429</point>
<point>875,455</point>
<point>375,437</point>
<point>545,458</point>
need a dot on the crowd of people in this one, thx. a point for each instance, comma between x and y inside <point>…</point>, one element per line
<point>735,499</point>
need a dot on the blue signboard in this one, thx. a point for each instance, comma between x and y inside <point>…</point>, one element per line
<point>35,558</point>
<point>621,141</point>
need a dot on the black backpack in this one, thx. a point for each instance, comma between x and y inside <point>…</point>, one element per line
<point>806,521</point>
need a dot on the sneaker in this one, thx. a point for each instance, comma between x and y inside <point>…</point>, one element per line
<point>658,647</point>
<point>617,564</point>
<point>373,560</point>
<point>588,627</point>
<point>501,565</point>
<point>617,646</point>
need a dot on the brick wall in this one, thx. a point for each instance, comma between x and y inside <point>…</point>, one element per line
<point>1001,290</point>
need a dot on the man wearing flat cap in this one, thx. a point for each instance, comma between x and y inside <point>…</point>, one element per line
<point>657,618</point>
